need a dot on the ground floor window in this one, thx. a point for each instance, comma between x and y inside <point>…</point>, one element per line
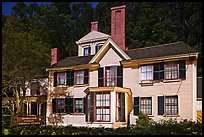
<point>171,105</point>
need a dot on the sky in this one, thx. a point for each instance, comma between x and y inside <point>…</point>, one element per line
<point>7,6</point>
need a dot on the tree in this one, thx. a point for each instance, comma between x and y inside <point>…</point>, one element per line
<point>23,58</point>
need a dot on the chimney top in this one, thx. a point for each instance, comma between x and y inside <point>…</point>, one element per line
<point>94,26</point>
<point>118,7</point>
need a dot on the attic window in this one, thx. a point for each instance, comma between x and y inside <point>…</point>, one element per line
<point>87,51</point>
<point>98,47</point>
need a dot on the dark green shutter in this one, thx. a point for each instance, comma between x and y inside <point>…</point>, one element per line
<point>120,76</point>
<point>160,105</point>
<point>136,106</point>
<point>100,77</point>
<point>69,105</point>
<point>54,105</point>
<point>86,76</point>
<point>86,108</point>
<point>182,69</point>
<point>89,50</point>
<point>159,71</point>
<point>92,106</point>
<point>123,106</point>
<point>55,79</point>
<point>70,78</point>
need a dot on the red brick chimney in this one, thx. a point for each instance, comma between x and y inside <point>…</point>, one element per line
<point>54,55</point>
<point>118,25</point>
<point>94,26</point>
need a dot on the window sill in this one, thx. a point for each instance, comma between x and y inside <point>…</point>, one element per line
<point>78,114</point>
<point>82,85</point>
<point>171,115</point>
<point>146,83</point>
<point>171,80</point>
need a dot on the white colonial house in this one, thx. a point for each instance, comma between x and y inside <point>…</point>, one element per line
<point>107,84</point>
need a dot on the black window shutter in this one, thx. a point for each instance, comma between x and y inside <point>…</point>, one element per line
<point>160,105</point>
<point>54,105</point>
<point>86,108</point>
<point>89,50</point>
<point>100,77</point>
<point>70,78</point>
<point>136,106</point>
<point>69,105</point>
<point>92,106</point>
<point>159,71</point>
<point>86,76</point>
<point>123,106</point>
<point>55,79</point>
<point>182,69</point>
<point>120,76</point>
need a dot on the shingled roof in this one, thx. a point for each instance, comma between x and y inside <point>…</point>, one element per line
<point>141,53</point>
<point>161,50</point>
<point>73,61</point>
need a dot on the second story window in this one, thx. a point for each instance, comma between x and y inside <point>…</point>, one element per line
<point>98,47</point>
<point>61,78</point>
<point>146,72</point>
<point>79,77</point>
<point>171,70</point>
<point>87,51</point>
<point>35,88</point>
<point>111,76</point>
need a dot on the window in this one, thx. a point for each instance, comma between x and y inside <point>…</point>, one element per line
<point>87,51</point>
<point>146,73</point>
<point>120,106</point>
<point>171,70</point>
<point>102,107</point>
<point>78,105</point>
<point>60,105</point>
<point>168,105</point>
<point>171,105</point>
<point>79,77</point>
<point>34,108</point>
<point>98,47</point>
<point>111,76</point>
<point>61,78</point>
<point>35,88</point>
<point>146,105</point>
<point>143,104</point>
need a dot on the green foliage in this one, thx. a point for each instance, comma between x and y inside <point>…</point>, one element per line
<point>164,127</point>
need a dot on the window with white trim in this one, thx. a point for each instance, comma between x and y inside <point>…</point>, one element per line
<point>79,77</point>
<point>171,70</point>
<point>61,78</point>
<point>87,51</point>
<point>98,47</point>
<point>146,72</point>
<point>171,105</point>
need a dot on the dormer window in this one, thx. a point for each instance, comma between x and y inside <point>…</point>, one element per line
<point>98,47</point>
<point>87,51</point>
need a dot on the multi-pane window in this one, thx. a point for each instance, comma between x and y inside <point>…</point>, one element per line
<point>87,51</point>
<point>35,88</point>
<point>146,105</point>
<point>60,103</point>
<point>79,77</point>
<point>102,106</point>
<point>61,78</point>
<point>120,106</point>
<point>111,76</point>
<point>146,72</point>
<point>98,46</point>
<point>171,105</point>
<point>171,71</point>
<point>78,105</point>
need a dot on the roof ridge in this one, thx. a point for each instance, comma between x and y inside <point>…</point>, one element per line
<point>158,45</point>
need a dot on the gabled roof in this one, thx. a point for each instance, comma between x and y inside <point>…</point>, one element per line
<point>161,50</point>
<point>93,36</point>
<point>72,61</point>
<point>106,46</point>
